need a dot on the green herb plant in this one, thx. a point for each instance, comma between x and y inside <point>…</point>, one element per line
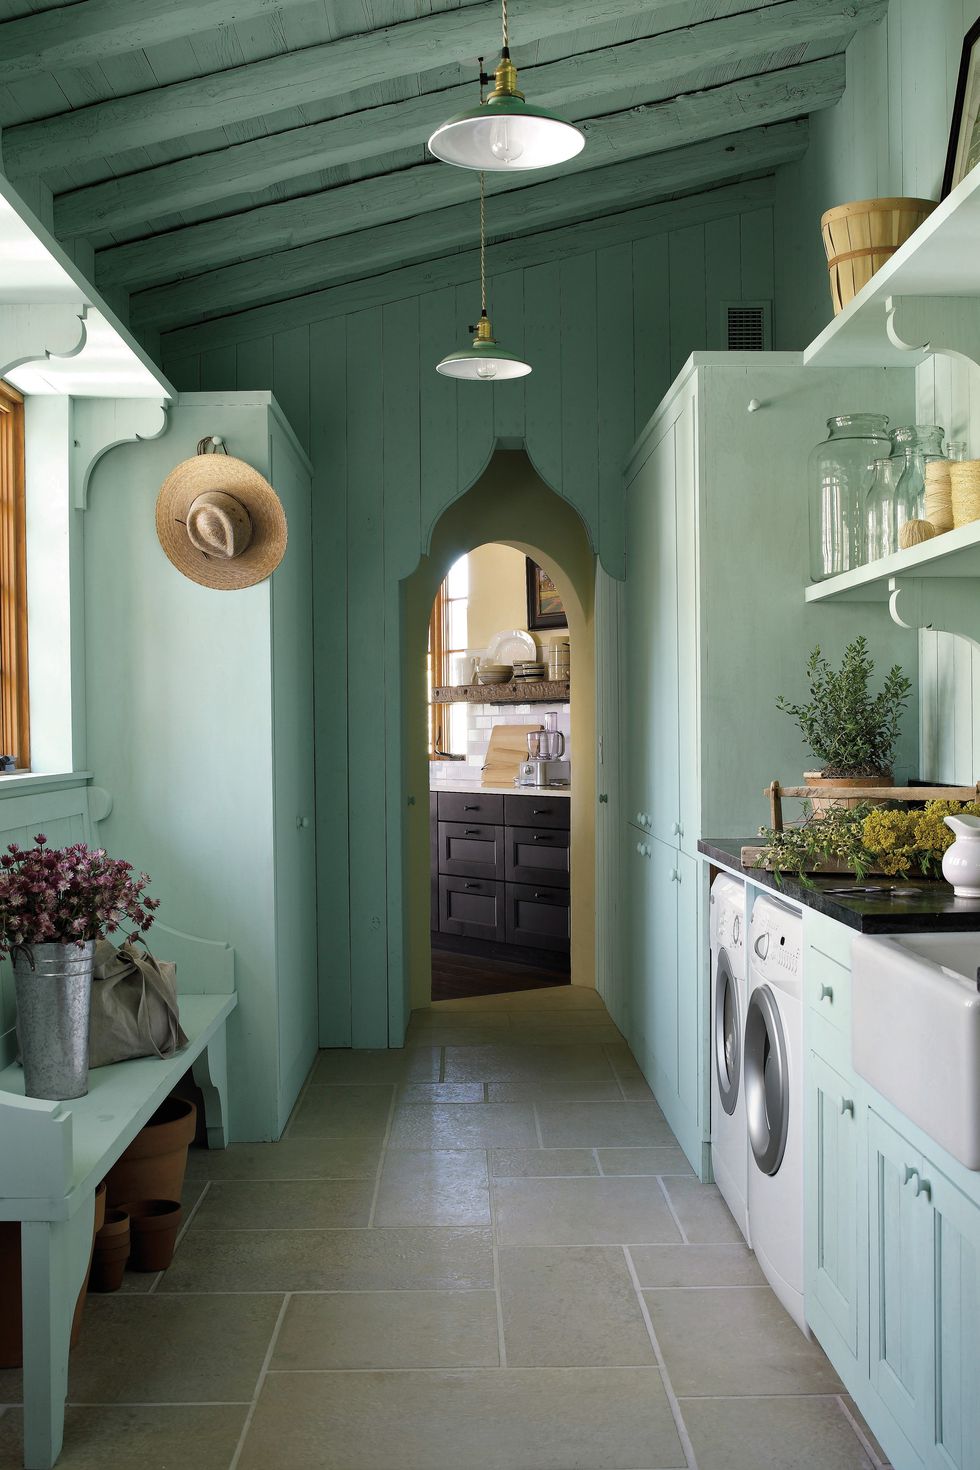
<point>901,841</point>
<point>849,730</point>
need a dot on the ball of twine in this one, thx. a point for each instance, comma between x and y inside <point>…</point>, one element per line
<point>915,531</point>
<point>939,503</point>
<point>965,491</point>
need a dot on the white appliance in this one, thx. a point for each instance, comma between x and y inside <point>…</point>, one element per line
<point>773,1083</point>
<point>729,1134</point>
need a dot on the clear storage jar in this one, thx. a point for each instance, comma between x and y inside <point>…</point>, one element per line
<point>841,469</point>
<point>898,490</point>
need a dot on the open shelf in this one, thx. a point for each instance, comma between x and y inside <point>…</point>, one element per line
<point>547,691</point>
<point>941,263</point>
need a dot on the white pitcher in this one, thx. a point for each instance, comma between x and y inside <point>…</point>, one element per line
<point>961,862</point>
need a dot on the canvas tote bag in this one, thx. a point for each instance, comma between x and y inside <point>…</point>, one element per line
<point>134,1006</point>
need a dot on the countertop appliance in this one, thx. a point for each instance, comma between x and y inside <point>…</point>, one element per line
<point>545,765</point>
<point>729,1134</point>
<point>773,1083</point>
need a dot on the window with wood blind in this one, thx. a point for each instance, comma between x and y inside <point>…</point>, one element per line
<point>15,737</point>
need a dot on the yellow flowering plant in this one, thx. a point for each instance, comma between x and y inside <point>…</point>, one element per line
<point>913,839</point>
<point>900,841</point>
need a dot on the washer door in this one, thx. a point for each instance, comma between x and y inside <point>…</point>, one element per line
<point>767,1100</point>
<point>727,1034</point>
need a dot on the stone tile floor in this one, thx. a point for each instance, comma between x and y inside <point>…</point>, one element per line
<point>484,1252</point>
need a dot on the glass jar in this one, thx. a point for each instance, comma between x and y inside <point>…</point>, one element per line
<point>955,450</point>
<point>918,443</point>
<point>840,474</point>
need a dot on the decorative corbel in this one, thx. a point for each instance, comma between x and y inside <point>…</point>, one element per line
<point>99,424</point>
<point>949,325</point>
<point>30,333</point>
<point>942,604</point>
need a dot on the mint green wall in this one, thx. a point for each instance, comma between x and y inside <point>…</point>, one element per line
<point>393,445</point>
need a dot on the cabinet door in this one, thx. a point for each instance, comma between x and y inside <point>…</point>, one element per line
<point>954,1429</point>
<point>537,855</point>
<point>662,973</point>
<point>471,850</point>
<point>637,870</point>
<point>831,1209</point>
<point>472,907</point>
<point>688,649</point>
<point>538,917</point>
<point>901,1271</point>
<point>692,983</point>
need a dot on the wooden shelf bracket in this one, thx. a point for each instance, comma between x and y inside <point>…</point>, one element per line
<point>99,424</point>
<point>949,325</point>
<point>942,604</point>
<point>35,333</point>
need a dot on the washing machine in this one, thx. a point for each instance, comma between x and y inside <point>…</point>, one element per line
<point>729,1135</point>
<point>772,1072</point>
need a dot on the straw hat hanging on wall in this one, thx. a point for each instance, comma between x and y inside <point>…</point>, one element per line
<point>219,521</point>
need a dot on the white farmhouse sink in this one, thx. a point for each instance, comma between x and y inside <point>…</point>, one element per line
<point>915,1031</point>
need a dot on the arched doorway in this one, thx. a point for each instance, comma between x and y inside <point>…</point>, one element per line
<point>512,505</point>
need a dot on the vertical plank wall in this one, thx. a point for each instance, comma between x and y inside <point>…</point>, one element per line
<point>393,444</point>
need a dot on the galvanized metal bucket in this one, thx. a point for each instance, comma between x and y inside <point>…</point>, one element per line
<point>54,987</point>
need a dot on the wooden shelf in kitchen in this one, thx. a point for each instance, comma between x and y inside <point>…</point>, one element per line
<point>545,691</point>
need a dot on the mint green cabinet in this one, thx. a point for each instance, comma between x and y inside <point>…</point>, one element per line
<point>832,1218</point>
<point>953,1430</point>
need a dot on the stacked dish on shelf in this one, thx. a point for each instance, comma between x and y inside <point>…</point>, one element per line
<point>494,673</point>
<point>528,672</point>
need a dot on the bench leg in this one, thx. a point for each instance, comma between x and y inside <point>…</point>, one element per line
<point>54,1259</point>
<point>210,1072</point>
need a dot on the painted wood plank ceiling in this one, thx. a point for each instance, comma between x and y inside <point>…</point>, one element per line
<point>210,156</point>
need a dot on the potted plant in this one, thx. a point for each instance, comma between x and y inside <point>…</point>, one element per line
<point>851,731</point>
<point>54,904</point>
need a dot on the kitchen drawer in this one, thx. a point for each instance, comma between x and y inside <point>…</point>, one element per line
<point>472,907</point>
<point>542,810</point>
<point>471,850</point>
<point>827,986</point>
<point>538,917</point>
<point>537,855</point>
<point>471,806</point>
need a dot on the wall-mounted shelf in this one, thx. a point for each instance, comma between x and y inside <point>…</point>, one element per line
<point>546,691</point>
<point>935,584</point>
<point>925,299</point>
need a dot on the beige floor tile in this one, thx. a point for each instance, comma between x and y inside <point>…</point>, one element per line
<point>663,1160</point>
<point>331,1260</point>
<point>319,1204</point>
<point>389,1329</point>
<point>434,1019</point>
<point>191,1349</point>
<point>623,1062</point>
<point>378,1066</point>
<point>701,1209</point>
<point>606,1091</point>
<point>635,1089</point>
<point>171,1438</point>
<point>546,1033</point>
<point>550,998</point>
<point>434,1188</point>
<point>581,1212</point>
<point>354,1112</point>
<point>493,1419</point>
<point>463,1125</point>
<point>571,1308</point>
<point>517,1063</point>
<point>139,1283</point>
<point>547,1163</point>
<point>291,1158</point>
<point>603,1125</point>
<point>497,1032</point>
<point>772,1434</point>
<point>735,1342</point>
<point>443,1092</point>
<point>700,1265</point>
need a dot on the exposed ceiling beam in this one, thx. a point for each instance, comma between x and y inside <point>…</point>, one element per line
<point>314,74</point>
<point>85,32</point>
<point>651,62</point>
<point>769,98</point>
<point>522,211</point>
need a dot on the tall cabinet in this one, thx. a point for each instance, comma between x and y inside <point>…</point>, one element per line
<point>714,627</point>
<point>200,728</point>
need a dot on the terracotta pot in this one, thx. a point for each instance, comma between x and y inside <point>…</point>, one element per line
<point>112,1247</point>
<point>11,1301</point>
<point>153,1166</point>
<point>824,804</point>
<point>153,1227</point>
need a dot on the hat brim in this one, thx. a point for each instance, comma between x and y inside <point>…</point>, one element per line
<point>223,472</point>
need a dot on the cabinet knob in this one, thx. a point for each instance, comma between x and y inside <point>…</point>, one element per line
<point>642,819</point>
<point>472,832</point>
<point>827,993</point>
<point>678,830</point>
<point>471,885</point>
<point>675,876</point>
<point>474,808</point>
<point>847,1106</point>
<point>922,1186</point>
<point>910,1173</point>
<point>302,822</point>
<point>642,849</point>
<point>541,837</point>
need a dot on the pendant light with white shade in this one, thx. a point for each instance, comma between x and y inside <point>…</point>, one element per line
<point>483,360</point>
<point>506,132</point>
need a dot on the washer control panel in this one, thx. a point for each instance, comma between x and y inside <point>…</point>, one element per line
<point>776,940</point>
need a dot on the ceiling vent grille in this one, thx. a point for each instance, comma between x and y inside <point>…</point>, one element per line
<point>747,325</point>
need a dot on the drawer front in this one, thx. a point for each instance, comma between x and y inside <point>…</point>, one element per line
<point>538,916</point>
<point>538,811</point>
<point>471,807</point>
<point>472,907</point>
<point>537,855</point>
<point>827,986</point>
<point>471,850</point>
<point>826,935</point>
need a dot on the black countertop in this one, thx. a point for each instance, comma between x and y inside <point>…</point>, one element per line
<point>914,906</point>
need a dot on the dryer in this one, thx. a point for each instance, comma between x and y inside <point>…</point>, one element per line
<point>729,1136</point>
<point>773,1085</point>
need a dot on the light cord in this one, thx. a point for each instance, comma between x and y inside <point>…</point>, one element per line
<point>483,247</point>
<point>506,26</point>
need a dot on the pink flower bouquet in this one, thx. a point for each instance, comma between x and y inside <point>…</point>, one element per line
<point>68,895</point>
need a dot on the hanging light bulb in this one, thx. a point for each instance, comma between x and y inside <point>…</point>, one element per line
<point>506,132</point>
<point>482,360</point>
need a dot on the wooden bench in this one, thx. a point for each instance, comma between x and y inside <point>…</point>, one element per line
<point>52,1157</point>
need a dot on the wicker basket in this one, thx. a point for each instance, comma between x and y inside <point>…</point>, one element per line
<point>860,237</point>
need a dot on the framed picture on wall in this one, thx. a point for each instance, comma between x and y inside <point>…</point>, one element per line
<point>964,134</point>
<point>544,605</point>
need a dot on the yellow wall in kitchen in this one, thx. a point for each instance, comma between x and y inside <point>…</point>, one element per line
<point>498,593</point>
